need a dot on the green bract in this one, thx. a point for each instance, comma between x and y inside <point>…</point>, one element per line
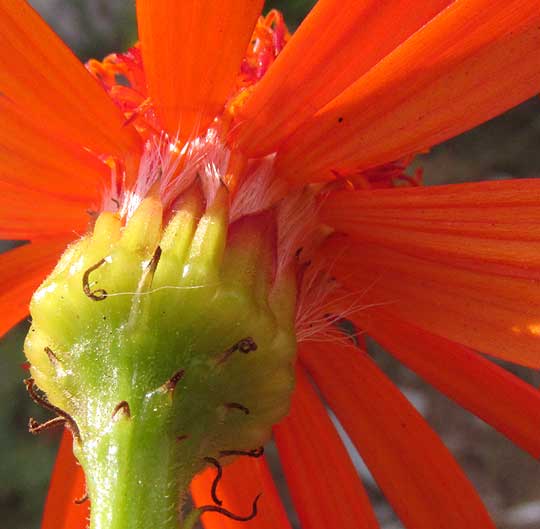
<point>163,349</point>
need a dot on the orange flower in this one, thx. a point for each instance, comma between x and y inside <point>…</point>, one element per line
<point>440,272</point>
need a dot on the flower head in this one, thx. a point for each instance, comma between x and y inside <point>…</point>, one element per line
<point>222,154</point>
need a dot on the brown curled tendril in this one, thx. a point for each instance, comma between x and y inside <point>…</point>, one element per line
<point>258,452</point>
<point>97,295</point>
<point>245,346</point>
<point>217,479</point>
<point>237,406</point>
<point>35,427</point>
<point>82,499</point>
<point>229,514</point>
<point>44,403</point>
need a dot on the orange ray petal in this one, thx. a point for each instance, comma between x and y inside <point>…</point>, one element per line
<point>468,225</point>
<point>67,485</point>
<point>30,214</point>
<point>23,270</point>
<point>324,484</point>
<point>192,52</point>
<point>31,157</point>
<point>339,41</point>
<point>242,481</point>
<point>487,390</point>
<point>42,77</point>
<point>460,261</point>
<point>476,59</point>
<point>414,469</point>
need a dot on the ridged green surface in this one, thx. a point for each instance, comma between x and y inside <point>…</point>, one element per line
<point>143,320</point>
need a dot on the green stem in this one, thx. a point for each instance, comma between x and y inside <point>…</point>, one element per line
<point>133,478</point>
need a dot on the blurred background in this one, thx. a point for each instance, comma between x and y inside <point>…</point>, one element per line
<point>507,147</point>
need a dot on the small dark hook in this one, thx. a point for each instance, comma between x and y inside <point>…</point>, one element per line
<point>217,479</point>
<point>245,346</point>
<point>99,294</point>
<point>229,514</point>
<point>35,427</point>
<point>237,406</point>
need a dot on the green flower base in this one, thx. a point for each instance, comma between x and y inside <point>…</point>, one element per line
<point>163,351</point>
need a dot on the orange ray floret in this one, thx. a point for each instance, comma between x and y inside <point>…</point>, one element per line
<point>414,469</point>
<point>28,214</point>
<point>23,269</point>
<point>192,52</point>
<point>41,76</point>
<point>440,223</point>
<point>33,159</point>
<point>475,60</point>
<point>337,43</point>
<point>495,315</point>
<point>491,392</point>
<point>460,261</point>
<point>324,484</point>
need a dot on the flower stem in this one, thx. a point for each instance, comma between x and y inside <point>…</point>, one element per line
<point>132,472</point>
